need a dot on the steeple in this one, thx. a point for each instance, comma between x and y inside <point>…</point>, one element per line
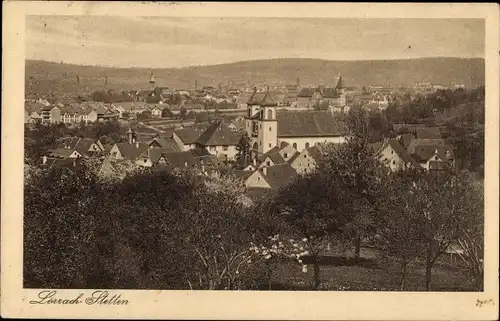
<point>152,81</point>
<point>267,100</point>
<point>339,85</point>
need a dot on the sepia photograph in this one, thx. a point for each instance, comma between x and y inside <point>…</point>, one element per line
<point>259,153</point>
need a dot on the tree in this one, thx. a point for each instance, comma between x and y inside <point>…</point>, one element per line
<point>313,207</point>
<point>441,205</point>
<point>397,226</point>
<point>355,167</point>
<point>144,115</point>
<point>183,112</point>
<point>243,154</point>
<point>217,241</point>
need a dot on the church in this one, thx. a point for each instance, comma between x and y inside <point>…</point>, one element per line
<point>269,127</point>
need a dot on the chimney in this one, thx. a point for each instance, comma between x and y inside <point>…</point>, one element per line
<point>264,170</point>
<point>44,160</point>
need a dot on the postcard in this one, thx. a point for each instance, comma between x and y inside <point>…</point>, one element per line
<point>319,161</point>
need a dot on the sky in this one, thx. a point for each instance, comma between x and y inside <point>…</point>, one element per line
<point>166,42</point>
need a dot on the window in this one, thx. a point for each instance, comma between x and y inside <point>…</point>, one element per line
<point>307,145</point>
<point>270,144</point>
<point>212,148</point>
<point>305,156</point>
<point>268,163</point>
<point>393,162</point>
<point>270,128</point>
<point>224,147</point>
<point>270,114</point>
<point>294,145</point>
<point>258,179</point>
<point>286,155</point>
<point>392,152</point>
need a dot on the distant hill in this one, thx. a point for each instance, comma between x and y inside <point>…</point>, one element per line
<point>44,77</point>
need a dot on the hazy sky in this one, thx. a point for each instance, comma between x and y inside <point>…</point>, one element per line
<point>178,42</point>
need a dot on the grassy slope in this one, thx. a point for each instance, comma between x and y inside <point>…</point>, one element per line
<point>44,76</point>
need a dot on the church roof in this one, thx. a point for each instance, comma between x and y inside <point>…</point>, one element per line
<point>307,124</point>
<point>262,99</point>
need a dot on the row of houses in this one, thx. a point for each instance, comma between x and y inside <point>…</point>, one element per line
<point>87,112</point>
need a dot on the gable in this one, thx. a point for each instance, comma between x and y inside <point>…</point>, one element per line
<point>256,179</point>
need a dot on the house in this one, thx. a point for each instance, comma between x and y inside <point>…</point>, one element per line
<point>186,137</point>
<point>271,176</point>
<point>219,140</point>
<point>268,128</point>
<point>51,115</point>
<point>156,111</point>
<point>128,151</point>
<point>425,150</point>
<point>334,96</point>
<point>176,161</point>
<point>33,112</point>
<point>307,160</point>
<point>395,156</point>
<point>75,147</point>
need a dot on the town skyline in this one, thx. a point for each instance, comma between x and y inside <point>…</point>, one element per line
<point>154,42</point>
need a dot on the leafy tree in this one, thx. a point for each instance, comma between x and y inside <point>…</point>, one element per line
<point>243,154</point>
<point>355,167</point>
<point>183,112</point>
<point>442,204</point>
<point>313,207</point>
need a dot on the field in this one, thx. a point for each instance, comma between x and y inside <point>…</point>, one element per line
<point>339,272</point>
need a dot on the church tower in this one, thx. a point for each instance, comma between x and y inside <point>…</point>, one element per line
<point>261,122</point>
<point>341,90</point>
<point>152,83</point>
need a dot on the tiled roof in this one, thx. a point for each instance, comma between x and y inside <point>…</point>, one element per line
<point>315,152</point>
<point>165,143</point>
<point>218,134</point>
<point>83,145</point>
<point>330,93</point>
<point>279,175</point>
<point>375,147</point>
<point>423,149</point>
<point>189,135</point>
<point>262,99</point>
<point>306,92</point>
<point>405,139</point>
<point>437,165</point>
<point>399,150</point>
<point>180,159</point>
<point>32,107</point>
<point>305,124</point>
<point>132,151</point>
<point>428,133</point>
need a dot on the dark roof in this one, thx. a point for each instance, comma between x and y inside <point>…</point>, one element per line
<point>437,165</point>
<point>399,150</point>
<point>165,143</point>
<point>428,133</point>
<point>218,134</point>
<point>132,151</point>
<point>59,163</point>
<point>375,147</point>
<point>315,153</point>
<point>83,145</point>
<point>189,135</point>
<point>262,157</point>
<point>180,159</point>
<point>423,149</point>
<point>330,93</point>
<point>262,99</point>
<point>306,92</point>
<point>279,175</point>
<point>239,174</point>
<point>310,123</point>
<point>405,139</point>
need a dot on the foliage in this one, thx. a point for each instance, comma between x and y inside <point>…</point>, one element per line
<point>243,155</point>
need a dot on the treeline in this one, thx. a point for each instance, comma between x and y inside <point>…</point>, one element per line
<point>38,138</point>
<point>156,230</point>
<point>468,106</point>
